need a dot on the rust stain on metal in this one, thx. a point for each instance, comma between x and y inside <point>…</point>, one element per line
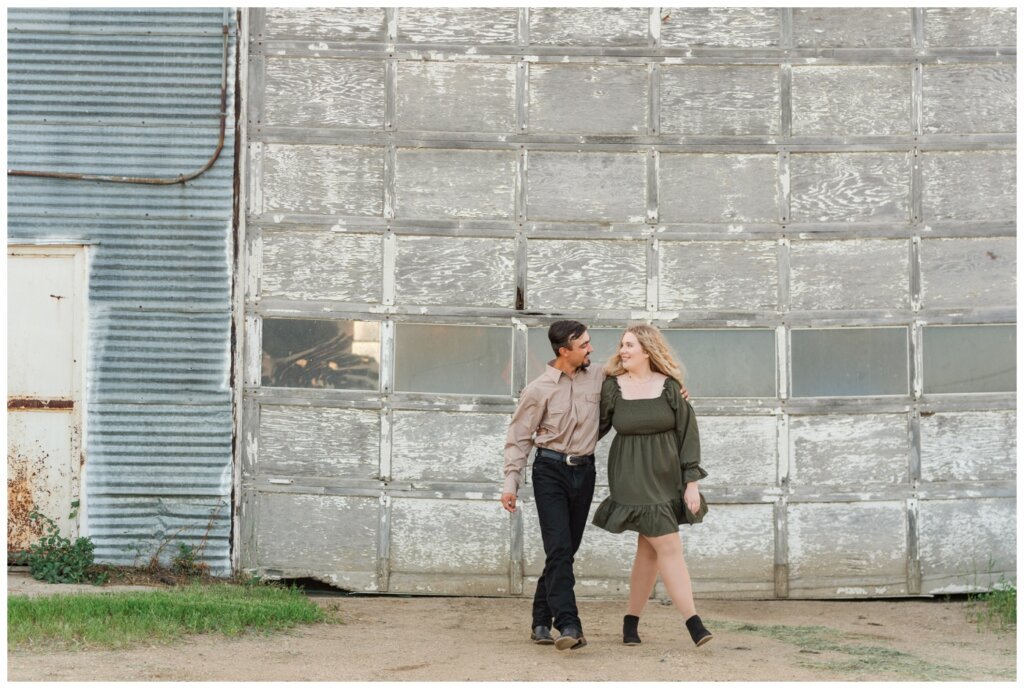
<point>25,403</point>
<point>22,476</point>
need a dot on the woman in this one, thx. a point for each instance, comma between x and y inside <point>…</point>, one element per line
<point>653,470</point>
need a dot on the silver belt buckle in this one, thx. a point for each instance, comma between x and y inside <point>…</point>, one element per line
<point>568,459</point>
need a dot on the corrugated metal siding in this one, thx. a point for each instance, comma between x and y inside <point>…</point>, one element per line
<point>137,93</point>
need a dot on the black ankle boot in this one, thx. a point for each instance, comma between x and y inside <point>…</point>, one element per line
<point>629,635</point>
<point>698,633</point>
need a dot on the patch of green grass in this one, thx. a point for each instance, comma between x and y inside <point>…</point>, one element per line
<point>856,659</point>
<point>995,609</point>
<point>120,620</point>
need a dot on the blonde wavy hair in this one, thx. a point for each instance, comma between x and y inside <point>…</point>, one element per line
<point>663,358</point>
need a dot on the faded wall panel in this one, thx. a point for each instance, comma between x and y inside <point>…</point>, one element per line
<point>346,24</point>
<point>468,25</point>
<point>734,543</point>
<point>738,450</point>
<point>861,27</point>
<point>965,545</point>
<point>326,443</point>
<point>848,452</point>
<point>449,546</point>
<point>850,187</point>
<point>728,188</point>
<point>323,179</point>
<point>727,100</point>
<point>969,446</point>
<point>318,265</point>
<point>586,275</point>
<point>858,274</point>
<point>442,446</point>
<point>334,540</point>
<point>456,97</point>
<point>858,100</point>
<point>963,27</point>
<point>439,184</point>
<point>718,275</point>
<point>974,185</point>
<point>597,26</point>
<point>586,186</point>
<point>720,27</point>
<point>590,99</point>
<point>455,271</point>
<point>963,99</point>
<point>968,273</point>
<point>847,549</point>
<point>324,93</point>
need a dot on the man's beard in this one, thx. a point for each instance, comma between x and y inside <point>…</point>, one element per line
<point>583,366</point>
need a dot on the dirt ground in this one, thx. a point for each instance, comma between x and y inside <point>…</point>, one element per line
<point>454,639</point>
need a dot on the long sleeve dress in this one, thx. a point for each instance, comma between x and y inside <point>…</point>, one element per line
<point>655,453</point>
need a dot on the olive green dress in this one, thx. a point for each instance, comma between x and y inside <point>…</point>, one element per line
<point>655,453</point>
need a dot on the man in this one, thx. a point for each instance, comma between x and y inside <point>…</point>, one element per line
<point>558,413</point>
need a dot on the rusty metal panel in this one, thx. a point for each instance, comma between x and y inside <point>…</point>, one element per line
<point>718,188</point>
<point>728,100</point>
<point>856,274</point>
<point>437,183</point>
<point>586,186</point>
<point>136,92</point>
<point>969,27</point>
<point>429,536</point>
<point>597,26</point>
<point>468,25</point>
<point>848,452</point>
<point>309,264</point>
<point>831,554</point>
<point>323,179</point>
<point>582,275</point>
<point>850,187</point>
<point>720,27</point>
<point>968,273</point>
<point>719,275</point>
<point>861,27</point>
<point>355,24</point>
<point>851,100</point>
<point>443,446</point>
<point>967,545</point>
<point>969,446</point>
<point>589,99</point>
<point>456,97</point>
<point>323,93</point>
<point>300,441</point>
<point>966,99</point>
<point>333,540</point>
<point>455,271</point>
<point>975,185</point>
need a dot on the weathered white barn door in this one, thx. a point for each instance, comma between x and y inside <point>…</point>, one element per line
<point>46,300</point>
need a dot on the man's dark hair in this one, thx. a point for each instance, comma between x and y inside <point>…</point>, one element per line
<point>562,333</point>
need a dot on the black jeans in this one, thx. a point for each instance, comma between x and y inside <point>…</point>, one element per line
<point>563,495</point>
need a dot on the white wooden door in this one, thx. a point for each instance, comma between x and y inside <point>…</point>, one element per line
<point>45,347</point>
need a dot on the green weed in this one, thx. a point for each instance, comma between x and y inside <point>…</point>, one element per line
<point>120,620</point>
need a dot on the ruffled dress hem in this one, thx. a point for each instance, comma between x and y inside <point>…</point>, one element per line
<point>657,519</point>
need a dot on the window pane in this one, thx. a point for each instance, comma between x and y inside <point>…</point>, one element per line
<point>970,358</point>
<point>850,362</point>
<point>605,342</point>
<point>299,353</point>
<point>453,358</point>
<point>727,363</point>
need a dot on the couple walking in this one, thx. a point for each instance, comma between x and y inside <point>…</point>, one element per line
<point>653,470</point>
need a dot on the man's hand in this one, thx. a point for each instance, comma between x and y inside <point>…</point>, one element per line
<point>508,501</point>
<point>685,392</point>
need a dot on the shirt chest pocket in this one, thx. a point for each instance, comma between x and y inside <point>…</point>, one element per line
<point>555,417</point>
<point>588,402</point>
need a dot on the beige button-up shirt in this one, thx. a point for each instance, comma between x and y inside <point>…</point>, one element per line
<point>556,412</point>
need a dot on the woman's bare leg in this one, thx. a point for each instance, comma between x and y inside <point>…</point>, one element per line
<point>643,576</point>
<point>673,571</point>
